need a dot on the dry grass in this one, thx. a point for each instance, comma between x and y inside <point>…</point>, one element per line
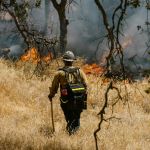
<point>25,119</point>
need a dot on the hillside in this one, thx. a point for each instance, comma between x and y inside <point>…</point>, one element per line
<point>25,113</point>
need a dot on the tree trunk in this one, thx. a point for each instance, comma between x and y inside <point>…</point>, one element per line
<point>60,7</point>
<point>63,31</point>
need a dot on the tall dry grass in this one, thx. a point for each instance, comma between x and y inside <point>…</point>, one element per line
<point>25,115</point>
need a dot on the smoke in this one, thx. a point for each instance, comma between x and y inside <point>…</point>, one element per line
<point>11,39</point>
<point>37,17</point>
<point>85,29</point>
<point>136,30</point>
<point>138,36</point>
<point>15,51</point>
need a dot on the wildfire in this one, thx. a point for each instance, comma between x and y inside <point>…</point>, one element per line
<point>47,58</point>
<point>127,41</point>
<point>33,56</point>
<point>93,69</point>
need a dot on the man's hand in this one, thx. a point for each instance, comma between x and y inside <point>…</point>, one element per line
<point>50,98</point>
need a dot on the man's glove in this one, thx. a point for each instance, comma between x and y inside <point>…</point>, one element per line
<point>50,98</point>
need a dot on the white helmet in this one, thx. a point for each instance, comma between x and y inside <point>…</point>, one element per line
<point>69,56</point>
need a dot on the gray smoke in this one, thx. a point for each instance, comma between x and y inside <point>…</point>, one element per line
<point>137,31</point>
<point>139,37</point>
<point>85,29</point>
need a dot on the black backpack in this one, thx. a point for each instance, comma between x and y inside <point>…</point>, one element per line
<point>74,94</point>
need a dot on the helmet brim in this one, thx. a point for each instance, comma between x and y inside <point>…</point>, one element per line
<point>70,60</point>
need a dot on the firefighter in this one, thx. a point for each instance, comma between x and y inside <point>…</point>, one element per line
<point>71,106</point>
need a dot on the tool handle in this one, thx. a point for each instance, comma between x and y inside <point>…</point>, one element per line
<point>52,116</point>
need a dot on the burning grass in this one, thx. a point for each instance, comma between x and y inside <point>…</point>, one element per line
<point>25,121</point>
<point>33,56</point>
<point>93,69</point>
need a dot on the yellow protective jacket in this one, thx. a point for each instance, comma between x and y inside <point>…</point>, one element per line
<point>60,80</point>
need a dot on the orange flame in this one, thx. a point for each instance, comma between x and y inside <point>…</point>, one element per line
<point>93,69</point>
<point>127,41</point>
<point>33,56</point>
<point>47,58</point>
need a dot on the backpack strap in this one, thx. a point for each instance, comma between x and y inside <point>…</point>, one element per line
<point>73,71</point>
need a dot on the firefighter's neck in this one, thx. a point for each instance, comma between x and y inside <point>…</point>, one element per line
<point>68,64</point>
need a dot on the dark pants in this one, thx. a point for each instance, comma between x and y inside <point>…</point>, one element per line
<point>72,117</point>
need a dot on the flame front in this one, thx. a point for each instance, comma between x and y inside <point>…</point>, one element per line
<point>93,69</point>
<point>33,56</point>
<point>47,58</point>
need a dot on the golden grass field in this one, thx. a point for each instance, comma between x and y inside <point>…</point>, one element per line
<point>25,113</point>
